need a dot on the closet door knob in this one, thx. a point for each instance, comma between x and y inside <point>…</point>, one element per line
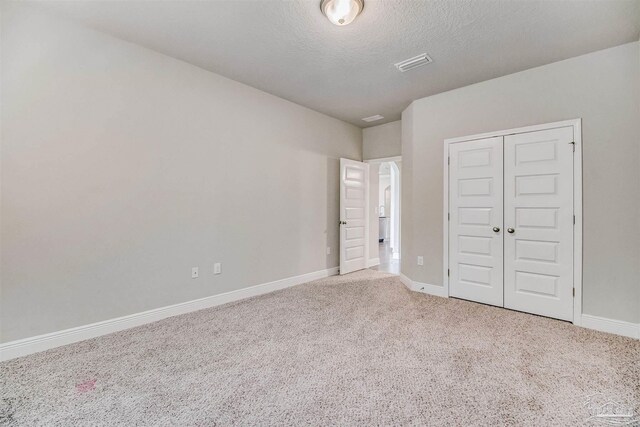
<point>511,230</point>
<point>496,229</point>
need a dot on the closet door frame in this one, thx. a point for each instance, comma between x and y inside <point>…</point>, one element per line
<point>577,202</point>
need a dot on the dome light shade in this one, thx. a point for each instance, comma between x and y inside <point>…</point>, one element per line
<point>341,12</point>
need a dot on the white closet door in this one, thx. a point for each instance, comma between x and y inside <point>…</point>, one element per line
<point>475,225</point>
<point>538,247</point>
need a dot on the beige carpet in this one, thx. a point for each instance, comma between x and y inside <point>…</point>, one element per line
<point>353,350</point>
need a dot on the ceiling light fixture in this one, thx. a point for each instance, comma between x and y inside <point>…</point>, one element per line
<point>341,12</point>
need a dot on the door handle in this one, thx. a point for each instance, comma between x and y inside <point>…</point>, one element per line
<point>342,222</point>
<point>496,229</point>
<point>510,230</point>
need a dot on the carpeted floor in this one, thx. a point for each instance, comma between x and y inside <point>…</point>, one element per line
<point>353,350</point>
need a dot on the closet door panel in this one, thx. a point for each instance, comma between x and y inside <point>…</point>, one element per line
<point>475,223</point>
<point>538,245</point>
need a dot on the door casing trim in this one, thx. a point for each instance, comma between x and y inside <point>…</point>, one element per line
<point>577,201</point>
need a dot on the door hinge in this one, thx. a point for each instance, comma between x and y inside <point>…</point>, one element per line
<point>573,146</point>
<point>574,220</point>
<point>448,160</point>
<point>574,292</point>
<point>448,272</point>
<point>448,217</point>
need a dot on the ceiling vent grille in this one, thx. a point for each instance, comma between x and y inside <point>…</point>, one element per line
<point>373,118</point>
<point>411,63</point>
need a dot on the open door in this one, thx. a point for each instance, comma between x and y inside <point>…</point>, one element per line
<point>354,215</point>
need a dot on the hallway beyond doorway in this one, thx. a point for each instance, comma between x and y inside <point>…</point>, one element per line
<point>387,263</point>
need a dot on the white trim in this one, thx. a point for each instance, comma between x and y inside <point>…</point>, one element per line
<point>525,129</point>
<point>445,218</point>
<point>384,159</point>
<point>367,214</point>
<point>577,228</point>
<point>23,347</point>
<point>602,324</point>
<point>398,161</point>
<point>618,327</point>
<point>406,281</point>
<point>373,262</point>
<point>577,201</point>
<point>425,288</point>
<point>396,209</point>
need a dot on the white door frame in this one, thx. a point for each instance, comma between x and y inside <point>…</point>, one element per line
<point>397,159</point>
<point>577,202</point>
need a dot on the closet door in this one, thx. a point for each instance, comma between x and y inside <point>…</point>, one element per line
<point>475,223</point>
<point>538,247</point>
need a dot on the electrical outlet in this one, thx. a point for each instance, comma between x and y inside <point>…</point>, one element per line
<point>420,260</point>
<point>328,250</point>
<point>194,272</point>
<point>217,268</point>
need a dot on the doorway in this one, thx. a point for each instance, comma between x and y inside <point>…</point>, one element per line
<point>385,184</point>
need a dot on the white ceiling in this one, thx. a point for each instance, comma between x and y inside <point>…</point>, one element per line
<point>289,49</point>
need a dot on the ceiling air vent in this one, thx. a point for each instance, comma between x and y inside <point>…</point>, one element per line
<point>373,118</point>
<point>416,61</point>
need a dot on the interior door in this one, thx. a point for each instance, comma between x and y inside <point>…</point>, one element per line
<point>354,221</point>
<point>538,171</point>
<point>475,223</point>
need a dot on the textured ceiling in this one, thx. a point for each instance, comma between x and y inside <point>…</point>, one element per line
<point>289,49</point>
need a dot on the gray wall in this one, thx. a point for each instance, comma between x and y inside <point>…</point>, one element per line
<point>123,168</point>
<point>603,89</point>
<point>382,141</point>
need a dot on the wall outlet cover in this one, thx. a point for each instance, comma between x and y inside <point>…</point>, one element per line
<point>217,268</point>
<point>194,272</point>
<point>420,260</point>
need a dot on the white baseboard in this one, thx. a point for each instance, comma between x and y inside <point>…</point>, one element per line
<point>618,327</point>
<point>406,281</point>
<point>23,347</point>
<point>373,262</point>
<point>425,288</point>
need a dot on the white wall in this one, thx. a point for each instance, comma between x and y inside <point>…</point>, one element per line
<point>382,141</point>
<point>123,168</point>
<point>374,247</point>
<point>603,89</point>
<point>383,182</point>
<point>394,223</point>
